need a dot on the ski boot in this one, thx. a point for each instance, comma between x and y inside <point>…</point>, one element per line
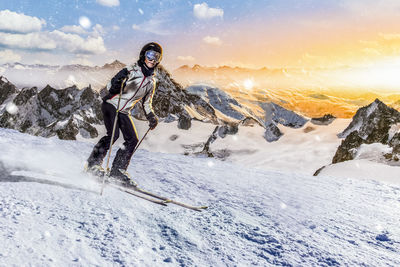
<point>95,170</point>
<point>122,177</point>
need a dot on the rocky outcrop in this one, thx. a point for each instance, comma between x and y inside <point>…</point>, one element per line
<point>272,132</point>
<point>375,123</point>
<point>49,112</point>
<point>219,132</point>
<point>227,110</point>
<point>274,115</point>
<point>278,114</point>
<point>348,148</point>
<point>6,88</point>
<point>325,120</point>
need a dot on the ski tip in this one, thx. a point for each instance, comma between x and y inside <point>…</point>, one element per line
<point>201,208</point>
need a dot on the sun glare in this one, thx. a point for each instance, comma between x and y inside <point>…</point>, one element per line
<point>248,84</point>
<point>383,75</point>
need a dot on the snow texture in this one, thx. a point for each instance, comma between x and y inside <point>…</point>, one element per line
<point>52,214</point>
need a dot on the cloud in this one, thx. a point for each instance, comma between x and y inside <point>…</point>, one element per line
<point>372,52</point>
<point>98,30</point>
<point>212,40</point>
<point>372,8</point>
<point>109,3</point>
<point>186,58</point>
<point>76,44</point>
<point>9,56</point>
<point>30,41</point>
<point>153,25</point>
<point>202,11</point>
<point>53,41</point>
<point>390,36</point>
<point>116,28</point>
<point>81,60</point>
<point>19,23</point>
<point>73,29</point>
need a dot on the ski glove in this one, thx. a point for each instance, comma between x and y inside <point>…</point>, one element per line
<point>153,121</point>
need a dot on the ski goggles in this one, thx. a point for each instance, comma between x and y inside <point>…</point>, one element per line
<point>153,56</point>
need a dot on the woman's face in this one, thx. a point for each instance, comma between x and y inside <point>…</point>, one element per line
<point>150,64</point>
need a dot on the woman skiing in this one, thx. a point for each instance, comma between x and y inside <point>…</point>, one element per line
<point>137,84</point>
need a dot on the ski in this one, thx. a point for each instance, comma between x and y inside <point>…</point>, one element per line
<point>167,200</point>
<point>137,194</point>
<point>154,197</point>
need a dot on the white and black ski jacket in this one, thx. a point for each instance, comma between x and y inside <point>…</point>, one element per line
<point>137,87</point>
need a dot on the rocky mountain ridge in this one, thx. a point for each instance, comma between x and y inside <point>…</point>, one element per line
<point>51,112</point>
<point>40,112</point>
<point>374,123</point>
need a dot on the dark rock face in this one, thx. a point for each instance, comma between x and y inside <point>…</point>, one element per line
<point>272,132</point>
<point>371,124</point>
<point>225,130</point>
<point>325,120</point>
<point>395,143</point>
<point>308,129</point>
<point>348,148</point>
<point>6,89</point>
<point>172,102</point>
<point>274,115</point>
<point>219,132</point>
<point>49,112</point>
<point>184,122</point>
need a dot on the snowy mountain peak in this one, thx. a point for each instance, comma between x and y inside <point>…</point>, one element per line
<point>6,88</point>
<point>116,64</point>
<point>375,123</point>
<point>369,118</point>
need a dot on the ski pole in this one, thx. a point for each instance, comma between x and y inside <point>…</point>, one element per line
<point>141,141</point>
<point>112,137</point>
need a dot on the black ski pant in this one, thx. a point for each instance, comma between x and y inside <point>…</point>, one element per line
<point>125,124</point>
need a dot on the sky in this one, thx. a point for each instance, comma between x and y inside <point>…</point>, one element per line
<point>254,33</point>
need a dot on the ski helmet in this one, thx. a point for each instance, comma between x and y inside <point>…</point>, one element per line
<point>150,46</point>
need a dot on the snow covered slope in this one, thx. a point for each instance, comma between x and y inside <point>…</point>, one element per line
<point>256,217</point>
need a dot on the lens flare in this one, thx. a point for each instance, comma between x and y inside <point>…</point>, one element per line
<point>248,84</point>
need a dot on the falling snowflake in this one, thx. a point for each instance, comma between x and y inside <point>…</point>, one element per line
<point>210,163</point>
